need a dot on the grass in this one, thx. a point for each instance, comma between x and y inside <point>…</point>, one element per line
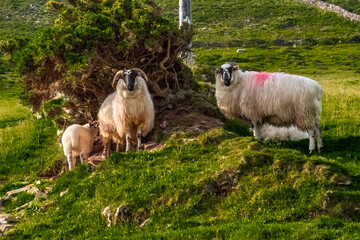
<point>27,145</point>
<point>20,18</point>
<point>264,23</point>
<point>260,190</point>
<point>223,184</point>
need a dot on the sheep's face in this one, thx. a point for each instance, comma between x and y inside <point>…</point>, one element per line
<point>129,79</point>
<point>226,71</point>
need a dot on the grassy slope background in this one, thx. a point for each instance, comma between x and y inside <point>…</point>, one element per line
<point>221,184</point>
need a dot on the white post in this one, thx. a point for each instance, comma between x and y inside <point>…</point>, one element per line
<point>184,11</point>
<point>185,16</point>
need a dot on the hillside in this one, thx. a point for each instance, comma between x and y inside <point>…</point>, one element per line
<point>217,184</point>
<point>20,18</point>
<point>264,23</point>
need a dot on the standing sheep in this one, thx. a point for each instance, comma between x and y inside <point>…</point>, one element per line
<point>278,99</point>
<point>127,113</point>
<point>78,140</point>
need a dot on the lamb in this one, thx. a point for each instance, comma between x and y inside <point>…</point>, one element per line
<point>78,140</point>
<point>292,133</point>
<point>127,113</point>
<point>277,99</point>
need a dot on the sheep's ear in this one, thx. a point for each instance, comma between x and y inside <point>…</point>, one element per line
<point>217,71</point>
<point>235,68</point>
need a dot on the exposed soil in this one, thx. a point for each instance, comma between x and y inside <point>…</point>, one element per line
<point>184,112</point>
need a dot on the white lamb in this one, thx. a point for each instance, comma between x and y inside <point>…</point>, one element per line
<point>78,140</point>
<point>278,99</point>
<point>127,113</point>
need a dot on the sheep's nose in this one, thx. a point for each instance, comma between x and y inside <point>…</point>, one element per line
<point>227,82</point>
<point>130,87</point>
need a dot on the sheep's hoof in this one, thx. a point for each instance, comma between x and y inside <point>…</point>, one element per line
<point>310,151</point>
<point>141,147</point>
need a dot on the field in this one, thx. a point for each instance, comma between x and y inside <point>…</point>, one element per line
<point>222,184</point>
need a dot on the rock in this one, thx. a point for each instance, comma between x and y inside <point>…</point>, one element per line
<point>107,214</point>
<point>6,223</point>
<point>64,192</point>
<point>38,182</point>
<point>8,220</point>
<point>164,124</point>
<point>10,193</point>
<point>40,194</point>
<point>144,222</point>
<point>122,213</point>
<point>33,190</point>
<point>211,189</point>
<point>241,50</point>
<point>6,227</point>
<point>170,106</point>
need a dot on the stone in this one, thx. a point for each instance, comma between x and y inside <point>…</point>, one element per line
<point>107,214</point>
<point>240,50</point>
<point>164,124</point>
<point>144,222</point>
<point>64,192</point>
<point>6,227</point>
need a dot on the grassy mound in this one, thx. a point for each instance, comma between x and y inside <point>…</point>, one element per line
<point>233,187</point>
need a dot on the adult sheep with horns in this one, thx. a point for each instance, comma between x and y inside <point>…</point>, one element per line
<point>128,113</point>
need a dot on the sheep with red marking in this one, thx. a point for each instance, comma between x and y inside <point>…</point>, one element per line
<point>278,99</point>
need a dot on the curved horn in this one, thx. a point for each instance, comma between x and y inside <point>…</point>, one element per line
<point>142,73</point>
<point>117,75</point>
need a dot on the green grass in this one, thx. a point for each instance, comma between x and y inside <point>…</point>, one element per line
<point>19,19</point>
<point>263,23</point>
<point>27,146</point>
<point>224,184</point>
<point>269,191</point>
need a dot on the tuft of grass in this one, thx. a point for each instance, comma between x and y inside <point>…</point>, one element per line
<point>237,126</point>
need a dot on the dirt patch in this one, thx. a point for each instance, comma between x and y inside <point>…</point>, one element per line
<point>184,112</point>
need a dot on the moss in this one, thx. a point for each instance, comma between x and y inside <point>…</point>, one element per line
<point>237,126</point>
<point>215,137</point>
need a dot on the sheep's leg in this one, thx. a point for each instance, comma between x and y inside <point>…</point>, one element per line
<point>84,157</point>
<point>107,146</point>
<point>70,161</point>
<point>311,140</point>
<point>117,147</point>
<point>140,146</point>
<point>318,136</point>
<point>128,142</point>
<point>256,130</point>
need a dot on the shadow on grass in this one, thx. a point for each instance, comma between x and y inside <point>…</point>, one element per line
<point>346,147</point>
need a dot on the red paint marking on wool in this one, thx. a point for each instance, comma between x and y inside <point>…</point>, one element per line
<point>261,77</point>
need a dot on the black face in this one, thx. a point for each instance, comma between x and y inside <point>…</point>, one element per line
<point>226,72</point>
<point>129,79</point>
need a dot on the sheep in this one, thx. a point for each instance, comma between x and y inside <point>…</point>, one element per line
<point>78,140</point>
<point>128,113</point>
<point>278,99</point>
<point>292,133</point>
